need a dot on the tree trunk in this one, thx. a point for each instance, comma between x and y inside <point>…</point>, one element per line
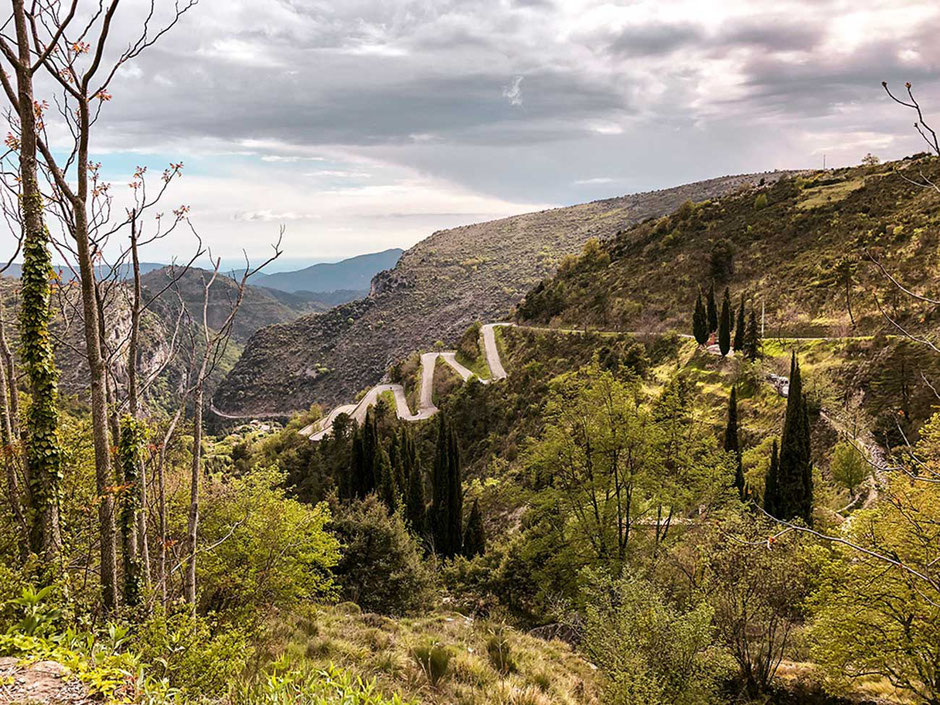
<point>43,455</point>
<point>133,408</point>
<point>189,577</point>
<point>96,365</point>
<point>8,438</point>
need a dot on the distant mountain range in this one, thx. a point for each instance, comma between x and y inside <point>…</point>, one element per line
<point>353,274</point>
<point>341,281</point>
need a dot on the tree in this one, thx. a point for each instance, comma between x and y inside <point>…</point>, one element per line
<point>740,329</point>
<point>652,652</point>
<point>878,611</point>
<point>848,467</point>
<point>415,508</point>
<point>722,260</point>
<point>43,454</point>
<point>700,321</point>
<point>772,483</point>
<point>474,537</point>
<point>381,568</point>
<point>731,444</point>
<point>724,325</point>
<point>795,470</point>
<point>447,484</point>
<point>757,594</point>
<point>712,310</point>
<point>752,344</point>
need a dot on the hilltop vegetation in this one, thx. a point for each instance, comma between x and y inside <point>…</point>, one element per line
<point>804,248</point>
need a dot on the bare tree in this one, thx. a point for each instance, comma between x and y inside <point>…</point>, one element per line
<point>213,344</point>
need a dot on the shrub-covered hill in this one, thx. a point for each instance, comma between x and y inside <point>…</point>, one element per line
<point>438,288</point>
<point>805,247</point>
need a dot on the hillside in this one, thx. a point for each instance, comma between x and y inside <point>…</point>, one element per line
<point>804,248</point>
<point>260,306</point>
<point>354,274</point>
<point>436,290</point>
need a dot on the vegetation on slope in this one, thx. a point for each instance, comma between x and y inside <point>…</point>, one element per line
<point>805,248</point>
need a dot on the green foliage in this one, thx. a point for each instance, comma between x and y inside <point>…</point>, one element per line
<point>130,456</point>
<point>434,661</point>
<point>608,458</point>
<point>757,593</point>
<point>197,656</point>
<point>760,203</point>
<point>878,611</point>
<point>270,551</point>
<point>43,451</point>
<point>740,329</point>
<point>447,483</point>
<point>700,321</point>
<point>382,569</point>
<point>499,651</point>
<point>287,684</point>
<point>652,652</point>
<point>794,483</point>
<point>752,342</point>
<point>721,262</point>
<point>724,325</point>
<point>848,467</point>
<point>474,537</point>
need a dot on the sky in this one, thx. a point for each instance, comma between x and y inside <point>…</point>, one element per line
<point>360,125</point>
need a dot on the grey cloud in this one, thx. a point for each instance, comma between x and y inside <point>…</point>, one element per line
<point>655,39</point>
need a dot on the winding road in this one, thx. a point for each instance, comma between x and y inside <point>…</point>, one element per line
<point>426,408</point>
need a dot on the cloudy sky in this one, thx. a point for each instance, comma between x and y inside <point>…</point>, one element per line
<point>366,124</point>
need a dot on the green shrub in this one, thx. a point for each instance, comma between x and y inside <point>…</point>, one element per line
<point>500,652</point>
<point>434,661</point>
<point>382,568</point>
<point>760,202</point>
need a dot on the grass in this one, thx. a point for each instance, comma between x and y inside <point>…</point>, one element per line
<point>831,193</point>
<point>372,646</point>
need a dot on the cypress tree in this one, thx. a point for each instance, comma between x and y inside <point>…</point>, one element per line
<point>700,321</point>
<point>771,484</point>
<point>795,472</point>
<point>712,310</point>
<point>474,537</point>
<point>732,444</point>
<point>386,480</point>
<point>352,480</point>
<point>447,504</point>
<point>724,325</point>
<point>740,329</point>
<point>415,510</point>
<point>731,428</point>
<point>752,339</point>
<point>368,478</point>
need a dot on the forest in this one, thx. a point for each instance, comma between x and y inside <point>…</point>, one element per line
<point>666,501</point>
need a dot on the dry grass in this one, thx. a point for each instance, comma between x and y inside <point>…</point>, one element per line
<point>544,673</point>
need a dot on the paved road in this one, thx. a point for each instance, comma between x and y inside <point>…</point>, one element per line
<point>426,408</point>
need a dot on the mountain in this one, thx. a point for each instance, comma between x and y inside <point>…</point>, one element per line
<point>260,307</point>
<point>354,274</point>
<point>66,274</point>
<point>435,291</point>
<point>803,249</point>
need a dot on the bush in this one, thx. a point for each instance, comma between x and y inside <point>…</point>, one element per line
<point>722,260</point>
<point>500,652</point>
<point>193,654</point>
<point>272,551</point>
<point>434,661</point>
<point>760,202</point>
<point>652,652</point>
<point>382,569</point>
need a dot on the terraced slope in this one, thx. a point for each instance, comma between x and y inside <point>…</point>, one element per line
<point>439,287</point>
